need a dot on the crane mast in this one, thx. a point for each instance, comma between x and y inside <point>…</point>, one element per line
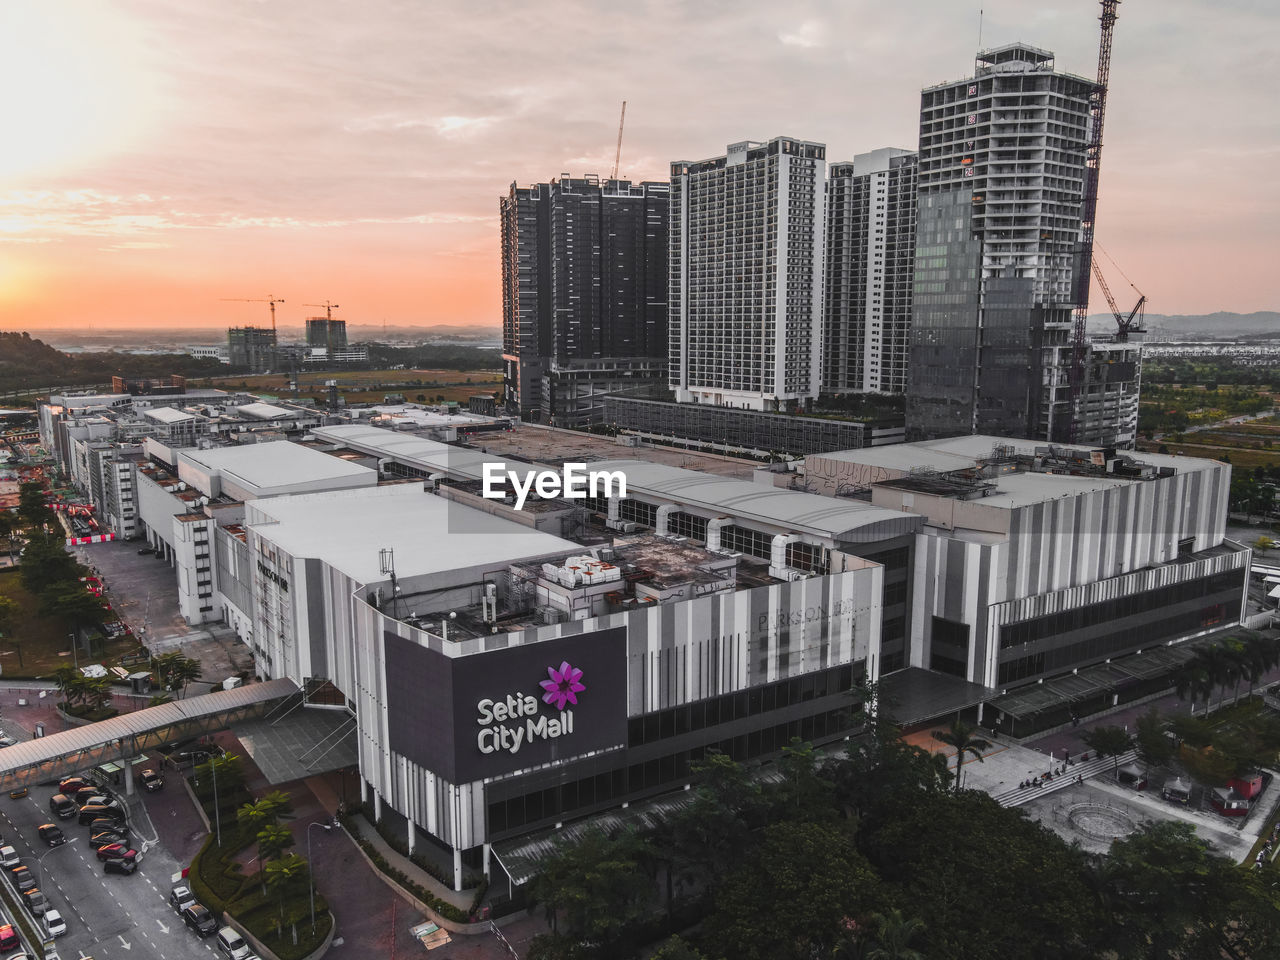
<point>617,157</point>
<point>1088,214</point>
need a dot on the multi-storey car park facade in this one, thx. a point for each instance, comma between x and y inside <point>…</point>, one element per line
<point>584,267</point>
<point>870,250</point>
<point>1036,560</point>
<point>746,258</point>
<point>1001,181</point>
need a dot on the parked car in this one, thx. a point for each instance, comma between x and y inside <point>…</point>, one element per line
<point>181,897</point>
<point>51,834</point>
<point>36,902</point>
<point>108,837</point>
<point>63,806</point>
<point>199,919</point>
<point>17,794</point>
<point>86,797</point>
<point>8,858</point>
<point>152,781</point>
<point>114,851</point>
<point>199,754</point>
<point>7,741</point>
<point>232,944</point>
<point>73,785</point>
<point>54,923</point>
<point>93,811</point>
<point>108,823</point>
<point>120,865</point>
<point>8,938</point>
<point>22,878</point>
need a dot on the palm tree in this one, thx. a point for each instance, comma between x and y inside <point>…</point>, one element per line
<point>961,737</point>
<point>286,875</point>
<point>1193,683</point>
<point>255,817</point>
<point>185,670</point>
<point>274,840</point>
<point>66,678</point>
<point>1261,654</point>
<point>893,937</point>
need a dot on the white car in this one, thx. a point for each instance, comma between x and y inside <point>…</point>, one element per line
<point>54,923</point>
<point>8,857</point>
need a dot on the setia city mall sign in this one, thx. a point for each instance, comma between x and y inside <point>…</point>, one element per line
<point>516,721</point>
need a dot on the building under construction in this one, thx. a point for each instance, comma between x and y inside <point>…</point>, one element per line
<point>252,348</point>
<point>1007,169</point>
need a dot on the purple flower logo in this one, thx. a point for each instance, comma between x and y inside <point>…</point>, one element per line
<point>564,686</point>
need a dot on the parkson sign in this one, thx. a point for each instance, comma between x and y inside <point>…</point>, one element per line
<point>574,482</point>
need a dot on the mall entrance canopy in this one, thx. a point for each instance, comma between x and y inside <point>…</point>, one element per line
<point>121,738</point>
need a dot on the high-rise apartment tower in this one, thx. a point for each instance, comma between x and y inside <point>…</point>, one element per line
<point>746,275</point>
<point>584,295</point>
<point>871,246</point>
<point>1001,180</point>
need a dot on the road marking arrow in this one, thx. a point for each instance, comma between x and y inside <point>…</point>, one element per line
<point>163,928</point>
<point>125,943</point>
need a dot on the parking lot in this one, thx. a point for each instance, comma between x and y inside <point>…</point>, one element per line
<point>143,590</point>
<point>108,916</point>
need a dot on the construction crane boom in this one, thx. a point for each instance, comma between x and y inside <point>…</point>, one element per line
<point>617,157</point>
<point>1125,325</point>
<point>272,301</point>
<point>1089,212</point>
<point>328,308</point>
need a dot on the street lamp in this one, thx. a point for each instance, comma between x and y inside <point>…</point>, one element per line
<point>311,869</point>
<point>40,859</point>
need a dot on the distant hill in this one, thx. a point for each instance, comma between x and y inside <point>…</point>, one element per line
<point>1207,326</point>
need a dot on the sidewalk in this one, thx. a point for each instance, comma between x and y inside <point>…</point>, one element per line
<point>460,899</point>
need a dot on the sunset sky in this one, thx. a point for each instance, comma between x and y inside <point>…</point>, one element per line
<point>156,157</point>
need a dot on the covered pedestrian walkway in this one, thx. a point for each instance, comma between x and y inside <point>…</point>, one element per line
<point>121,738</point>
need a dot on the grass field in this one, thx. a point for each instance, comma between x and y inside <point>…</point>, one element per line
<point>371,386</point>
<point>1240,456</point>
<point>43,640</point>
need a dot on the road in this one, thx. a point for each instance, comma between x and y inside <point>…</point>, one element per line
<point>109,917</point>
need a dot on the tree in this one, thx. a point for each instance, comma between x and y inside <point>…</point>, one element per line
<point>1261,654</point>
<point>32,506</point>
<point>950,857</point>
<point>793,894</point>
<point>677,949</point>
<point>7,610</point>
<point>1174,898</point>
<point>1110,741</point>
<point>893,936</point>
<point>273,840</point>
<point>286,876</point>
<point>961,737</point>
<point>598,889</point>
<point>75,606</point>
<point>46,563</point>
<point>1154,748</point>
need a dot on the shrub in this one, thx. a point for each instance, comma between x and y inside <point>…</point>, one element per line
<point>442,907</point>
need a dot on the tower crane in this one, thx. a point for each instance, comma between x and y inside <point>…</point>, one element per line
<point>328,308</point>
<point>617,157</point>
<point>1088,213</point>
<point>1124,325</point>
<point>270,300</point>
<point>328,325</point>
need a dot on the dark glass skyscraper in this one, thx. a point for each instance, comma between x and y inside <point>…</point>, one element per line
<point>584,304</point>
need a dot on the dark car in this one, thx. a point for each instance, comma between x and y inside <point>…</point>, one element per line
<point>107,837</point>
<point>63,806</point>
<point>86,797</point>
<point>94,811</point>
<point>117,851</point>
<point>51,834</point>
<point>120,865</point>
<point>152,781</point>
<point>199,919</point>
<point>36,902</point>
<point>23,878</point>
<point>199,754</point>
